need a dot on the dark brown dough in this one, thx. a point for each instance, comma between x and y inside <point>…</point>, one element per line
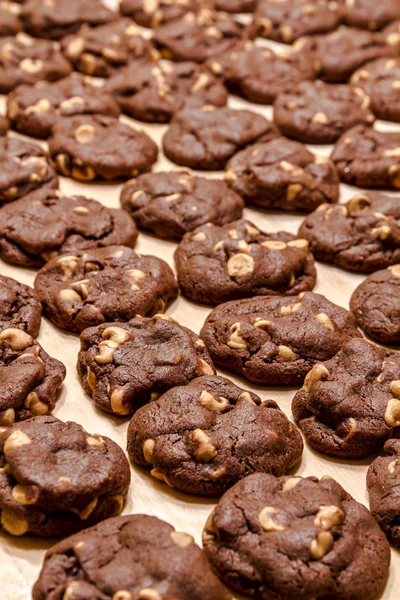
<point>10,23</point>
<point>365,14</point>
<point>4,125</point>
<point>380,79</point>
<point>152,13</point>
<point>20,307</point>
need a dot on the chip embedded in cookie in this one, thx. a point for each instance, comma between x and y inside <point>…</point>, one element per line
<point>20,307</point>
<point>153,13</point>
<point>380,80</point>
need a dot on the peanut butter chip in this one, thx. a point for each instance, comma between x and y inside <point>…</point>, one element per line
<point>268,520</point>
<point>204,449</point>
<point>183,540</point>
<point>392,412</point>
<point>240,265</point>
<point>321,545</point>
<point>84,134</point>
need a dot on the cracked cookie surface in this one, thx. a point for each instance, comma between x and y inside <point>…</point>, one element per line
<point>20,307</point>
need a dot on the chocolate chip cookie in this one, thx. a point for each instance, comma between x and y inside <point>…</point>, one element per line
<point>24,169</point>
<point>57,478</point>
<point>206,138</point>
<point>362,235</point>
<point>282,174</point>
<point>318,113</point>
<point>375,304</point>
<point>237,260</point>
<point>26,60</point>
<point>125,365</point>
<point>88,147</point>
<point>260,74</point>
<point>380,80</point>
<point>368,158</point>
<point>294,537</point>
<point>136,556</point>
<point>29,379</point>
<point>276,340</point>
<point>349,406</point>
<point>34,110</point>
<point>10,23</point>
<point>204,437</point>
<point>172,203</point>
<point>20,307</point>
<point>152,13</point>
<point>365,14</point>
<point>47,223</point>
<point>4,125</point>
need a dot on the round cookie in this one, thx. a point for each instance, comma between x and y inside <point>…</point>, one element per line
<point>294,537</point>
<point>362,235</point>
<point>365,14</point>
<point>125,365</point>
<point>134,556</point>
<point>375,304</point>
<point>318,113</point>
<point>259,74</point>
<point>237,260</point>
<point>88,147</point>
<point>284,175</point>
<point>33,110</point>
<point>26,60</point>
<point>24,169</point>
<point>4,125</point>
<point>10,23</point>
<point>170,204</point>
<point>29,378</point>
<point>154,92</point>
<point>20,307</point>
<point>104,284</point>
<point>275,340</point>
<point>366,157</point>
<point>47,223</point>
<point>380,80</point>
<point>57,479</point>
<point>152,13</point>
<point>205,138</point>
<point>348,406</point>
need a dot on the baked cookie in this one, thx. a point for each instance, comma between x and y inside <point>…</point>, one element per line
<point>348,406</point>
<point>235,6</point>
<point>375,304</point>
<point>24,169</point>
<point>380,80</point>
<point>392,34</point>
<point>101,51</point>
<point>104,284</point>
<point>20,307</point>
<point>34,110</point>
<point>125,365</point>
<point>365,14</point>
<point>368,158</point>
<point>362,235</point>
<point>170,204</point>
<point>275,340</point>
<point>294,537</point>
<point>205,138</point>
<point>48,223</point>
<point>29,379</point>
<point>4,125</point>
<point>57,478</point>
<point>282,174</point>
<point>237,260</point>
<point>287,20</point>
<point>260,74</point>
<point>136,556</point>
<point>152,13</point>
<point>26,60</point>
<point>10,23</point>
<point>315,112</point>
<point>88,147</point>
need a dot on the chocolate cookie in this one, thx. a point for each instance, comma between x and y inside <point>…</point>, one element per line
<point>294,537</point>
<point>376,305</point>
<point>275,340</point>
<point>392,34</point>
<point>380,80</point>
<point>4,125</point>
<point>260,74</point>
<point>348,406</point>
<point>104,284</point>
<point>26,60</point>
<point>205,138</point>
<point>217,264</point>
<point>236,6</point>
<point>318,113</point>
<point>88,147</point>
<point>34,110</point>
<point>24,169</point>
<point>29,379</point>
<point>152,13</point>
<point>125,365</point>
<point>204,437</point>
<point>136,556</point>
<point>101,51</point>
<point>47,223</point>
<point>20,307</point>
<point>365,14</point>
<point>172,203</point>
<point>57,478</point>
<point>282,174</point>
<point>362,235</point>
<point>10,23</point>
<point>287,20</point>
<point>368,158</point>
